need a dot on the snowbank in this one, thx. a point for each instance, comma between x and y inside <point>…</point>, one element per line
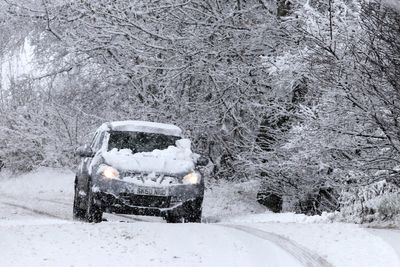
<point>42,182</point>
<point>283,218</point>
<point>224,199</point>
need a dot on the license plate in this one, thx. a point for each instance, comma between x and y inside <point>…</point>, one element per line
<point>141,190</point>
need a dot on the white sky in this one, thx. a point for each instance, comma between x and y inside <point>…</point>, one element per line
<point>394,3</point>
<point>16,63</point>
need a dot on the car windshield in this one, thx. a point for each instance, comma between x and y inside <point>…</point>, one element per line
<point>139,141</point>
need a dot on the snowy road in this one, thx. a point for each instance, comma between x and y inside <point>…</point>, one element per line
<point>36,230</point>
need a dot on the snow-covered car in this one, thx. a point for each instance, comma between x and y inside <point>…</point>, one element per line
<point>141,168</point>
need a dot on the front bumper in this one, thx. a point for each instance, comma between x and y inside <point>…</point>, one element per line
<point>116,196</point>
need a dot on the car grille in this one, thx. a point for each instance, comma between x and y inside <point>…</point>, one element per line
<point>166,179</point>
<point>146,201</point>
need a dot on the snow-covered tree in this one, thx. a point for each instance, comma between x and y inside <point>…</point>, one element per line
<point>344,132</point>
<point>301,94</point>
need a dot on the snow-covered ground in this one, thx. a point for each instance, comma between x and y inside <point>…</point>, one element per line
<point>36,230</point>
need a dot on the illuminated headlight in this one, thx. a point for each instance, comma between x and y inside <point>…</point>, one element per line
<point>109,172</point>
<point>192,178</point>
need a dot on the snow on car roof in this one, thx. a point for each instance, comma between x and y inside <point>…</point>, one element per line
<point>142,126</point>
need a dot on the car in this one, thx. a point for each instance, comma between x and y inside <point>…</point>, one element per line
<point>140,168</point>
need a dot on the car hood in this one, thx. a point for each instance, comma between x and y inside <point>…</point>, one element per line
<point>171,161</point>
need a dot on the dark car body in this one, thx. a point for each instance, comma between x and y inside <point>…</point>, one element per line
<point>167,195</point>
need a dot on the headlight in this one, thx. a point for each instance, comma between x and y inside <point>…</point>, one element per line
<point>110,172</point>
<point>192,178</point>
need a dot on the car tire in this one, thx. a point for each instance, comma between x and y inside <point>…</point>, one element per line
<point>77,212</point>
<point>191,213</point>
<point>194,216</point>
<point>171,218</point>
<point>184,218</point>
<point>94,213</point>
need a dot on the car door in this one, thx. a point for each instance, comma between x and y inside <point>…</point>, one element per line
<point>84,170</point>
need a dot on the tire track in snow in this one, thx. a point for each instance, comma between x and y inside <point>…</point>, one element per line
<point>70,205</point>
<point>28,204</point>
<point>36,211</point>
<point>130,218</point>
<point>39,199</point>
<point>57,202</point>
<point>302,254</point>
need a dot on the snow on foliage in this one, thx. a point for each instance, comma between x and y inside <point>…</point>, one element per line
<point>379,201</point>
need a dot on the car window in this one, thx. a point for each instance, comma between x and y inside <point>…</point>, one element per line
<point>94,140</point>
<point>140,142</point>
<point>97,141</point>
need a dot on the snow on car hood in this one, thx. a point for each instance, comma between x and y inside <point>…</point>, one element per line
<point>176,160</point>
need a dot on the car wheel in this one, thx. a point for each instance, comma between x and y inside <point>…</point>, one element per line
<point>171,218</point>
<point>184,218</point>
<point>191,213</point>
<point>194,216</point>
<point>93,211</point>
<point>77,211</point>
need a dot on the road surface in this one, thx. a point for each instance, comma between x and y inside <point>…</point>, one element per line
<point>36,229</point>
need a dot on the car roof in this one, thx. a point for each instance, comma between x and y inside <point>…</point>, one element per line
<point>142,126</point>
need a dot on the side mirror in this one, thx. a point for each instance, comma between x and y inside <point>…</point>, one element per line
<point>202,161</point>
<point>84,151</point>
